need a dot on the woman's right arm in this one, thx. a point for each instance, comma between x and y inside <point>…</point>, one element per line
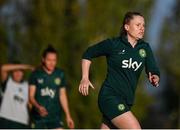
<point>32,92</point>
<point>6,68</point>
<point>42,110</point>
<point>103,48</point>
<point>85,83</point>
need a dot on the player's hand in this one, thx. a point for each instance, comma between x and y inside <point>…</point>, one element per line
<point>70,122</point>
<point>154,79</point>
<point>29,67</point>
<point>42,111</point>
<point>32,68</point>
<point>84,86</point>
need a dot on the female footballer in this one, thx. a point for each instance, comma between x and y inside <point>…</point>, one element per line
<point>126,56</point>
<point>47,94</point>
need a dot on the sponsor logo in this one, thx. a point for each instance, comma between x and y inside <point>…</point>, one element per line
<point>122,52</point>
<point>40,81</point>
<point>142,53</point>
<point>131,64</point>
<point>48,92</point>
<point>19,99</point>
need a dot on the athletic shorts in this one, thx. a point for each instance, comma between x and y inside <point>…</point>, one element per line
<point>111,106</point>
<point>46,124</point>
<point>8,124</point>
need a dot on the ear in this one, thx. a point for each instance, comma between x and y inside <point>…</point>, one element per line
<point>42,60</point>
<point>126,26</point>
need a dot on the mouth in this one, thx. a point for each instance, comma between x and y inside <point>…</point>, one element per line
<point>141,33</point>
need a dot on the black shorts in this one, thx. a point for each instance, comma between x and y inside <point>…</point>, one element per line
<point>47,124</point>
<point>9,124</point>
<point>112,106</point>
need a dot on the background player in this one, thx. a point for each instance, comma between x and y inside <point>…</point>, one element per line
<point>14,110</point>
<point>48,94</point>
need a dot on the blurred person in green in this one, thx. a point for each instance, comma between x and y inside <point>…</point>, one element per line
<point>14,109</point>
<point>47,94</point>
<point>126,55</point>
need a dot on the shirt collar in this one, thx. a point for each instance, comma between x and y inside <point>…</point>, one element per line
<point>43,71</point>
<point>125,40</point>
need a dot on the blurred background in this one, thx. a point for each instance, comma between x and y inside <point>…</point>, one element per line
<point>28,26</point>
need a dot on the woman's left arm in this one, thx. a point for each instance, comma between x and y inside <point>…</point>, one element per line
<point>64,104</point>
<point>151,67</point>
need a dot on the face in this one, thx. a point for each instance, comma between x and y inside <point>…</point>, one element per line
<point>50,61</point>
<point>135,28</point>
<point>17,75</point>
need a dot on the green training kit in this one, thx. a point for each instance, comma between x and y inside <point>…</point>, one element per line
<point>47,95</point>
<point>125,65</point>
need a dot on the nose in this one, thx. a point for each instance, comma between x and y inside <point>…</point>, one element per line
<point>142,28</point>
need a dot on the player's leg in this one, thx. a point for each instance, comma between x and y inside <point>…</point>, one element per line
<point>104,126</point>
<point>56,124</point>
<point>117,112</point>
<point>107,124</point>
<point>126,121</point>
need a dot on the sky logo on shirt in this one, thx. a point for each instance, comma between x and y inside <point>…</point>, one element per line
<point>131,64</point>
<point>48,92</point>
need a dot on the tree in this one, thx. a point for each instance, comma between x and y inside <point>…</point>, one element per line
<point>71,26</point>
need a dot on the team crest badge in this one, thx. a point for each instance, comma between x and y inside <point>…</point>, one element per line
<point>57,81</point>
<point>32,125</point>
<point>61,123</point>
<point>142,53</point>
<point>121,107</point>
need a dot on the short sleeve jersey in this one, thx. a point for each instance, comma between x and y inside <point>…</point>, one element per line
<point>125,64</point>
<point>47,92</point>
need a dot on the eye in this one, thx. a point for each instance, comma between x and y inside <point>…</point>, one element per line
<point>138,24</point>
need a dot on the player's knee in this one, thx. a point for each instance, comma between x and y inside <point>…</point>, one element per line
<point>126,121</point>
<point>135,125</point>
<point>103,126</point>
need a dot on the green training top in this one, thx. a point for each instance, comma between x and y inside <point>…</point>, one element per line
<point>47,93</point>
<point>125,64</point>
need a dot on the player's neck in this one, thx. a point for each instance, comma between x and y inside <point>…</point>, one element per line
<point>47,70</point>
<point>132,40</point>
